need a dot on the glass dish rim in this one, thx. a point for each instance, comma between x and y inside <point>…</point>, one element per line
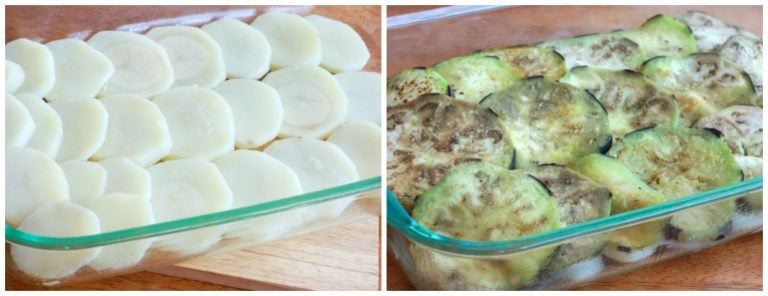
<point>19,237</point>
<point>398,218</point>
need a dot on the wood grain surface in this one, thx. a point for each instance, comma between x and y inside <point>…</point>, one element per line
<point>736,265</point>
<point>343,258</point>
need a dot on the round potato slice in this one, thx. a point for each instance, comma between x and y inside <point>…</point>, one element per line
<point>81,71</point>
<point>200,122</point>
<point>19,125</point>
<point>125,176</point>
<point>255,177</point>
<point>186,188</point>
<point>118,211</point>
<point>86,180</point>
<point>37,62</point>
<point>136,130</point>
<point>361,141</point>
<point>195,57</point>
<point>57,219</point>
<point>14,76</point>
<point>32,179</point>
<point>341,48</point>
<point>141,65</point>
<point>48,130</point>
<point>245,49</point>
<point>256,108</point>
<point>84,125</point>
<point>294,41</point>
<point>363,90</point>
<point>313,101</point>
<point>319,165</point>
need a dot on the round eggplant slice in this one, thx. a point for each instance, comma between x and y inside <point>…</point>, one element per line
<point>475,76</point>
<point>709,31</point>
<point>428,136</point>
<point>680,162</point>
<point>550,122</point>
<point>752,167</point>
<point>411,83</point>
<point>598,50</point>
<point>703,83</point>
<point>530,60</point>
<point>629,193</point>
<point>662,35</point>
<point>632,100</point>
<point>747,52</point>
<point>741,126</point>
<point>579,199</point>
<point>483,202</point>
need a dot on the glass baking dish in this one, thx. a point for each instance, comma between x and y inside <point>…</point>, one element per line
<point>46,23</point>
<point>432,261</point>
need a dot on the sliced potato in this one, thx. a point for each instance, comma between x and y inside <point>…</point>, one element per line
<point>141,65</point>
<point>195,57</point>
<point>125,176</point>
<point>200,122</point>
<point>14,76</point>
<point>245,49</point>
<point>19,125</point>
<point>294,41</point>
<point>48,126</point>
<point>86,180</point>
<point>32,179</point>
<point>361,141</point>
<point>342,49</point>
<point>313,101</point>
<point>256,108</point>
<point>84,126</point>
<point>81,71</point>
<point>60,218</point>
<point>118,211</point>
<point>136,130</point>
<point>363,91</point>
<point>37,62</point>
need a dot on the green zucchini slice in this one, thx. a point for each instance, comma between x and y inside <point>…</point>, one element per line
<point>411,83</point>
<point>632,100</point>
<point>598,50</point>
<point>475,76</point>
<point>680,162</point>
<point>629,193</point>
<point>662,35</point>
<point>747,52</point>
<point>703,83</point>
<point>482,202</point>
<point>530,60</point>
<point>579,199</point>
<point>550,122</point>
<point>710,32</point>
<point>433,133</point>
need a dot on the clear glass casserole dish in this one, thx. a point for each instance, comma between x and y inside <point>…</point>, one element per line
<point>46,23</point>
<point>433,261</point>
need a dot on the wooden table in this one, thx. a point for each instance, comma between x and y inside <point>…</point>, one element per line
<point>736,265</point>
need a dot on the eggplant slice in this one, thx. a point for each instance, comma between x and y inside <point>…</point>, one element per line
<point>662,35</point>
<point>598,50</point>
<point>530,61</point>
<point>747,52</point>
<point>475,76</point>
<point>411,83</point>
<point>710,32</point>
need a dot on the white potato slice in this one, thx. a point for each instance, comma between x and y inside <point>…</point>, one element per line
<point>195,57</point>
<point>58,219</point>
<point>141,65</point>
<point>256,108</point>
<point>185,188</point>
<point>86,180</point>
<point>32,179</point>
<point>14,77</point>
<point>255,177</point>
<point>245,49</point>
<point>48,130</point>
<point>313,101</point>
<point>200,122</point>
<point>118,211</point>
<point>37,62</point>
<point>125,176</point>
<point>136,130</point>
<point>294,41</point>
<point>81,71</point>
<point>319,165</point>
<point>342,48</point>
<point>84,123</point>
<point>19,125</point>
<point>363,90</point>
<point>361,141</point>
